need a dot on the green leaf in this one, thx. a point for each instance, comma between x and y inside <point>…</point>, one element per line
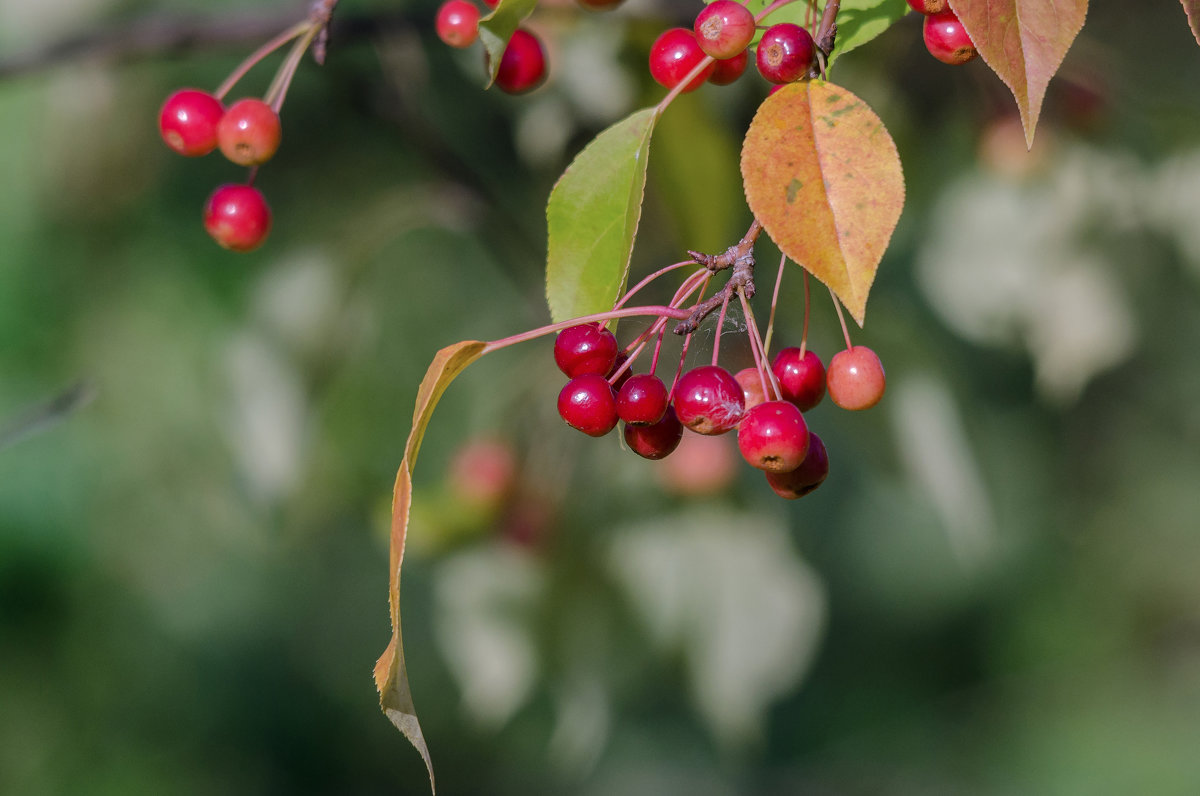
<point>593,216</point>
<point>497,28</point>
<point>858,21</point>
<point>391,675</point>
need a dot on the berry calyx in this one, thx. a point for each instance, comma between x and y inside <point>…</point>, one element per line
<point>801,378</point>
<point>724,28</point>
<point>642,400</point>
<point>523,64</point>
<point>587,403</point>
<point>773,436</point>
<point>237,217</point>
<point>709,400</point>
<point>727,70</point>
<point>188,122</point>
<point>808,476</point>
<point>673,55</point>
<point>752,387</point>
<point>928,7</point>
<point>249,132</point>
<point>655,441</point>
<point>585,348</point>
<point>785,53</point>
<point>856,379</point>
<point>457,23</point>
<point>947,39</point>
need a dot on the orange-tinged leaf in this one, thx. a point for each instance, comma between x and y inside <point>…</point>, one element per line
<point>1024,42</point>
<point>1192,9</point>
<point>822,176</point>
<point>391,675</point>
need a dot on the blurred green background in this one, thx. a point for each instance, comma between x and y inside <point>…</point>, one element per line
<point>995,592</point>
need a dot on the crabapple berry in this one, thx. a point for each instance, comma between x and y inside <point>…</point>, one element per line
<point>773,436</point>
<point>237,217</point>
<point>642,400</point>
<point>928,7</point>
<point>585,348</point>
<point>947,39</point>
<point>752,387</point>
<point>785,53</point>
<point>673,55</point>
<point>856,379</point>
<point>655,441</point>
<point>709,400</point>
<point>249,132</point>
<point>801,378</point>
<point>587,403</point>
<point>457,23</point>
<point>724,28</point>
<point>523,64</point>
<point>805,478</point>
<point>188,122</point>
<point>727,70</point>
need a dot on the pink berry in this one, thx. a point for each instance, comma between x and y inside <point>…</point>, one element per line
<point>927,7</point>
<point>724,28</point>
<point>655,441</point>
<point>482,472</point>
<point>457,23</point>
<point>752,386</point>
<point>773,436</point>
<point>237,217</point>
<point>709,400</point>
<point>856,379</point>
<point>808,476</point>
<point>642,400</point>
<point>785,53</point>
<point>249,132</point>
<point>188,122</point>
<point>727,70</point>
<point>674,55</point>
<point>585,348</point>
<point>587,403</point>
<point>947,39</point>
<point>801,378</point>
<point>523,64</point>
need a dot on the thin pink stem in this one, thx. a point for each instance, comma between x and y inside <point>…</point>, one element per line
<point>262,52</point>
<point>756,340</point>
<point>628,295</point>
<point>662,332</point>
<point>841,318</point>
<point>627,312</point>
<point>775,302</point>
<point>807,307</point>
<point>283,79</point>
<point>720,326</point>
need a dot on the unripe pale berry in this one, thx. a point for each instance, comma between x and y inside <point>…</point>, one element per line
<point>801,378</point>
<point>808,476</point>
<point>947,39</point>
<point>724,28</point>
<point>752,386</point>
<point>587,403</point>
<point>523,64</point>
<point>856,379</point>
<point>785,53</point>
<point>457,23</point>
<point>585,348</point>
<point>673,55</point>
<point>249,132</point>
<point>237,217</point>
<point>773,436</point>
<point>709,400</point>
<point>188,122</point>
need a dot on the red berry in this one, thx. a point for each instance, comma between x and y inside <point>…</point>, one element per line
<point>805,478</point>
<point>188,122</point>
<point>856,378</point>
<point>947,39</point>
<point>625,374</point>
<point>801,379</point>
<point>727,70</point>
<point>249,132</point>
<point>673,55</point>
<point>724,28</point>
<point>773,436</point>
<point>642,400</point>
<point>709,400</point>
<point>523,64</point>
<point>752,387</point>
<point>658,440</point>
<point>585,348</point>
<point>928,7</point>
<point>237,217</point>
<point>491,3</point>
<point>457,23</point>
<point>785,53</point>
<point>588,404</point>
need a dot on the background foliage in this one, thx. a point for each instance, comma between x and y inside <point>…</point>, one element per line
<point>995,591</point>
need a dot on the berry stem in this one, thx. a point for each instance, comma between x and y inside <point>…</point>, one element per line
<point>262,52</point>
<point>629,294</point>
<point>720,325</point>
<point>283,78</point>
<point>841,318</point>
<point>807,306</point>
<point>756,344</point>
<point>541,331</point>
<point>775,302</point>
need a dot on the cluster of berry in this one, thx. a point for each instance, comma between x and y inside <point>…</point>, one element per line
<point>945,37</point>
<point>522,66</point>
<point>767,410</point>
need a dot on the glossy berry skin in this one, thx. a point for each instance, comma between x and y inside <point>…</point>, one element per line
<point>655,441</point>
<point>856,379</point>
<point>801,378</point>
<point>808,476</point>
<point>928,7</point>
<point>709,400</point>
<point>673,55</point>
<point>457,23</point>
<point>773,436</point>
<point>249,132</point>
<point>188,122</point>
<point>642,400</point>
<point>947,39</point>
<point>752,387</point>
<point>523,64</point>
<point>237,217</point>
<point>587,403</point>
<point>785,53</point>
<point>727,70</point>
<point>585,348</point>
<point>724,28</point>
